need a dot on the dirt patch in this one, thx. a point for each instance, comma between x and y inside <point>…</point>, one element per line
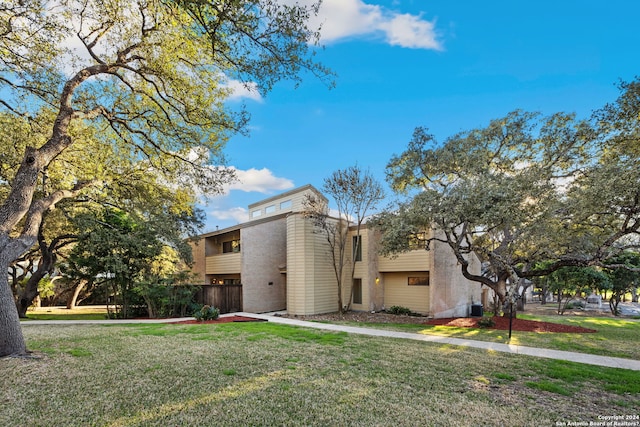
<point>226,319</point>
<point>502,323</point>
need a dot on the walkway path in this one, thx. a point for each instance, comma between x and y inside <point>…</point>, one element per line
<point>612,362</point>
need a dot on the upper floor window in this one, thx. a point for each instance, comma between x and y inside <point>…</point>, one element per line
<point>357,248</point>
<point>270,209</point>
<point>231,246</point>
<point>256,214</point>
<point>418,241</point>
<point>285,205</point>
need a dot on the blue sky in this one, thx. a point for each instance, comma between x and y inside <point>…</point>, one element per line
<point>446,65</point>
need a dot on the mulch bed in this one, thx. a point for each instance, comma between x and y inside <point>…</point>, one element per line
<point>227,319</point>
<point>502,323</point>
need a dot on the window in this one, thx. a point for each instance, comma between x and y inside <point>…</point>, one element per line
<point>270,209</point>
<point>419,280</point>
<point>219,281</point>
<point>357,248</point>
<point>231,246</point>
<point>418,241</point>
<point>256,214</point>
<point>357,291</point>
<point>285,205</point>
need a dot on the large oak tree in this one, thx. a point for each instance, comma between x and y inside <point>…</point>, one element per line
<point>523,190</point>
<point>149,77</point>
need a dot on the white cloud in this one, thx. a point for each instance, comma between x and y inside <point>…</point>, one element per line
<point>259,180</point>
<point>411,31</point>
<point>241,90</point>
<point>237,214</point>
<point>341,19</point>
<point>251,180</point>
<point>346,18</point>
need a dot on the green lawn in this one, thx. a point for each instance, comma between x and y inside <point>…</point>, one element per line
<point>61,313</point>
<point>617,337</point>
<point>269,374</point>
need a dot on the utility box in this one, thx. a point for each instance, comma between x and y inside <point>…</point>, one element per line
<point>477,310</point>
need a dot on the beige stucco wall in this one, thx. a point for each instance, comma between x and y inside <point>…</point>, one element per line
<point>263,256</point>
<point>311,284</point>
<point>452,294</point>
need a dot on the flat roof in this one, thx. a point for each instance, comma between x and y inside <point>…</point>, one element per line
<point>243,225</point>
<point>288,193</point>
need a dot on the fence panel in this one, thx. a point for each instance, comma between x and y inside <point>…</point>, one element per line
<point>227,298</point>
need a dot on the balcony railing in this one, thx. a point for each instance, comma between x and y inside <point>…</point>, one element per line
<point>224,264</point>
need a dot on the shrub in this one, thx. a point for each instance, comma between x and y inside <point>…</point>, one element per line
<point>486,322</point>
<point>206,313</point>
<point>573,304</point>
<point>166,300</point>
<point>396,309</point>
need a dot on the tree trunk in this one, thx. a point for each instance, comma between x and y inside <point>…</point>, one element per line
<point>613,305</point>
<point>30,291</point>
<point>71,303</point>
<point>11,339</point>
<point>500,288</point>
<point>26,297</point>
<point>544,295</point>
<point>45,266</point>
<point>151,308</point>
<point>19,206</point>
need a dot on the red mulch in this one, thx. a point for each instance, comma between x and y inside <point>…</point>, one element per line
<point>502,323</point>
<point>227,319</point>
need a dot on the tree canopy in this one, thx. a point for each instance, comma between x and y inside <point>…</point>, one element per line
<point>621,279</point>
<point>149,79</point>
<point>522,190</point>
<point>118,249</point>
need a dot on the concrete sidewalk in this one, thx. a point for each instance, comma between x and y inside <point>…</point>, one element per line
<point>589,359</point>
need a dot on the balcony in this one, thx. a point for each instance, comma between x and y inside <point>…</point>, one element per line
<point>418,260</point>
<point>224,264</point>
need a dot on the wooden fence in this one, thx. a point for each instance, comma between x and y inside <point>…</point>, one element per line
<point>227,298</point>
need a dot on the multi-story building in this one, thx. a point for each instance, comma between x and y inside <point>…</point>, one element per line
<point>278,260</point>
